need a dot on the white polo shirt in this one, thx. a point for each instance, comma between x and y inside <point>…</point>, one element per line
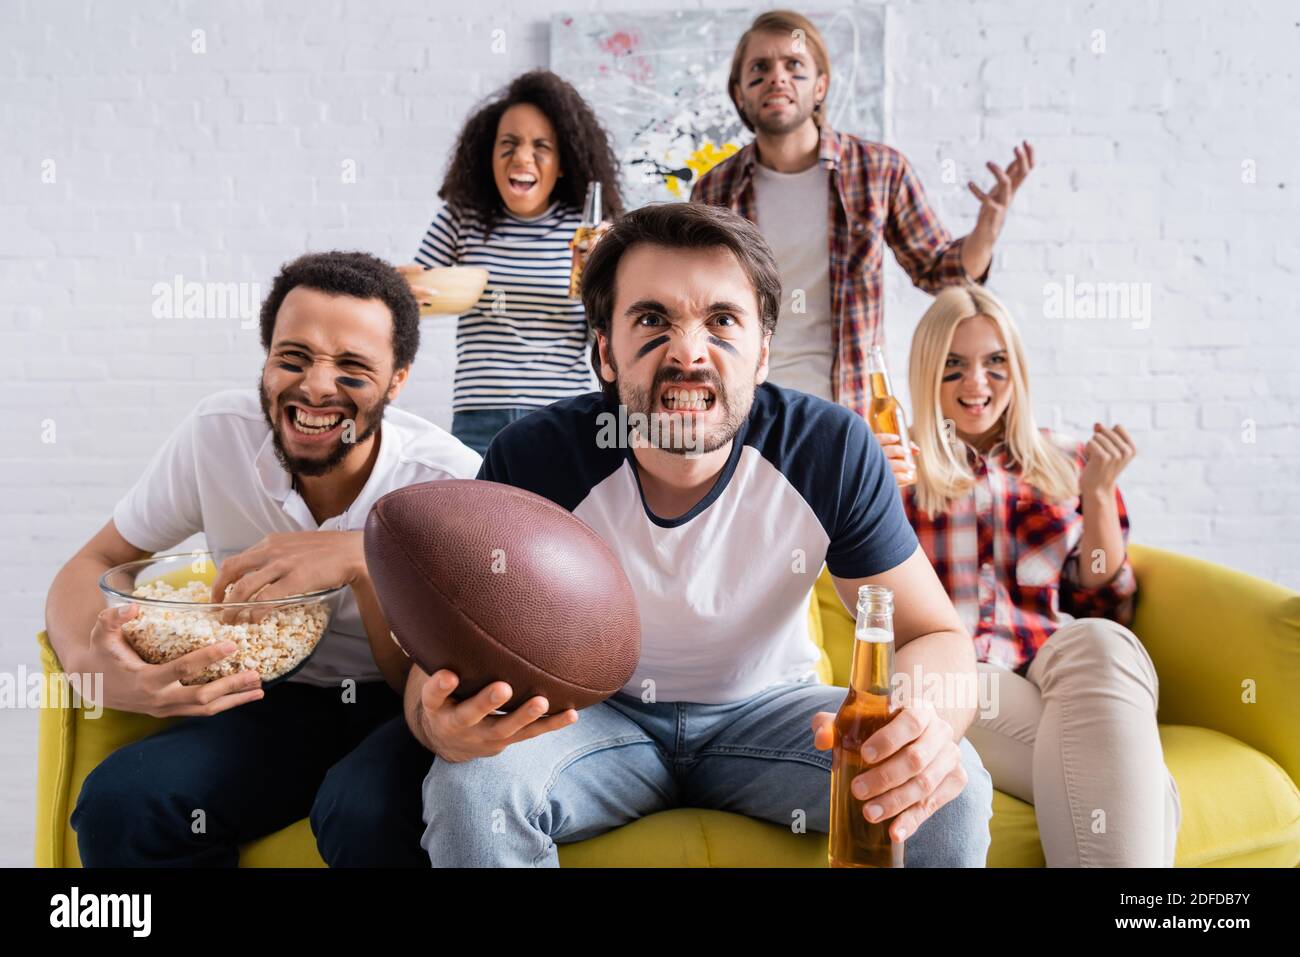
<point>218,474</point>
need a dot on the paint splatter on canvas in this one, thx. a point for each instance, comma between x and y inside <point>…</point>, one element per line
<point>658,83</point>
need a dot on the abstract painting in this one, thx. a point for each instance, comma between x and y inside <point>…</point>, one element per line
<point>657,81</point>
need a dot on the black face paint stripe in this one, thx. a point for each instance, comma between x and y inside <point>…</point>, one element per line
<point>651,346</point>
<point>724,344</point>
<point>290,366</point>
<point>995,375</point>
<point>754,83</point>
<point>350,382</point>
<point>952,377</point>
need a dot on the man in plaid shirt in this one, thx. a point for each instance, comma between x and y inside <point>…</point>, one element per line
<point>800,181</point>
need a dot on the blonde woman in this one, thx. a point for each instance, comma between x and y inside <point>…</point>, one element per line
<point>1027,530</point>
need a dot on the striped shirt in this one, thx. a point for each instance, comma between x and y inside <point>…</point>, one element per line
<point>1009,558</point>
<point>524,343</point>
<point>875,200</point>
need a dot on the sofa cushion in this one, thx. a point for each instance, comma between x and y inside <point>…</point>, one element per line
<point>1224,824</point>
<point>1240,809</point>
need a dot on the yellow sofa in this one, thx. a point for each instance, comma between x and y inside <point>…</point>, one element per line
<point>1226,647</point>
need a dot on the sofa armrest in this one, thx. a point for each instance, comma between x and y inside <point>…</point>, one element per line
<point>53,770</point>
<point>1214,634</point>
<point>73,740</point>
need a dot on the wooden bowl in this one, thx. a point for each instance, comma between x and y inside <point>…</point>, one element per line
<point>458,288</point>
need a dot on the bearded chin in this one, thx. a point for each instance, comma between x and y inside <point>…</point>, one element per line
<point>315,467</point>
<point>675,437</point>
<point>777,127</point>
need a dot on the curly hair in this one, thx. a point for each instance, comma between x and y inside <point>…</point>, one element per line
<point>355,274</point>
<point>585,152</point>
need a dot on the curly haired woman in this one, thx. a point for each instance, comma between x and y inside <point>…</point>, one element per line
<point>513,196</point>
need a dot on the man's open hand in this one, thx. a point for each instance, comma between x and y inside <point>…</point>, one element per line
<point>995,203</point>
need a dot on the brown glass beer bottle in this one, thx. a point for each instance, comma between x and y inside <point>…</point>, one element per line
<point>855,841</point>
<point>591,219</point>
<point>885,412</point>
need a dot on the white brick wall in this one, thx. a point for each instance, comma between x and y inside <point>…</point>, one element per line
<point>221,165</point>
<point>1141,158</point>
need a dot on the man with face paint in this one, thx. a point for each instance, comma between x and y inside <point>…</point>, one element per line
<point>283,477</point>
<point>828,203</point>
<point>722,499</point>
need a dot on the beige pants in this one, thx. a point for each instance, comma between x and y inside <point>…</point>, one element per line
<point>1077,739</point>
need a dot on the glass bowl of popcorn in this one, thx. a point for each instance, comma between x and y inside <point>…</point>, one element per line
<point>173,592</point>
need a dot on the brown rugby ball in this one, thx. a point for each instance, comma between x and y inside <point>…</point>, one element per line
<point>498,584</point>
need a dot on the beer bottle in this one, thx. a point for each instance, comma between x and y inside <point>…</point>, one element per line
<point>592,212</point>
<point>855,841</point>
<point>885,413</point>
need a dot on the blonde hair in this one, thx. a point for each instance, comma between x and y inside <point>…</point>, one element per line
<point>780,21</point>
<point>943,474</point>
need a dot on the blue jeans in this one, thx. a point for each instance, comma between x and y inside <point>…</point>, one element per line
<point>624,759</point>
<point>477,427</point>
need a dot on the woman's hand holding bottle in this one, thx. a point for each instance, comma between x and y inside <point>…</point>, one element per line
<point>904,471</point>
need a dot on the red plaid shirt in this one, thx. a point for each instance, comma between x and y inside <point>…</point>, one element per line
<point>1009,559</point>
<point>875,199</point>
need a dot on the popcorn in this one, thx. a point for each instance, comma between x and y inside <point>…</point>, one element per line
<point>273,645</point>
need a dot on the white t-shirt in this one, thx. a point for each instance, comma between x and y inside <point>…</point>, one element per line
<point>218,474</point>
<point>792,210</point>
